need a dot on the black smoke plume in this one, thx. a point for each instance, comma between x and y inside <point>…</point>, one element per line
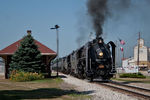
<point>98,11</point>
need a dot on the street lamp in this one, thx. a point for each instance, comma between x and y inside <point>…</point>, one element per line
<point>57,40</point>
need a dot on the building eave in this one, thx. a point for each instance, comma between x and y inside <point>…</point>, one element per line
<point>48,54</point>
<point>3,54</point>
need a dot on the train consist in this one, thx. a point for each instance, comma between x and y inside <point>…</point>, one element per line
<point>93,60</point>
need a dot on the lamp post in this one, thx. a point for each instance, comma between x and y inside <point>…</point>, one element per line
<point>57,40</point>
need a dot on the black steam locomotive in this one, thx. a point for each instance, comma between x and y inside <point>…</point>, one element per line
<point>93,60</point>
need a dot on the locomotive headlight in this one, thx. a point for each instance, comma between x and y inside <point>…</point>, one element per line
<point>101,54</point>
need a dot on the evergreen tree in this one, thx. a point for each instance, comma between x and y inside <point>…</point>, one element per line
<point>27,58</point>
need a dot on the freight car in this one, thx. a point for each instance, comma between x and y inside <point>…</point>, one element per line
<point>93,60</point>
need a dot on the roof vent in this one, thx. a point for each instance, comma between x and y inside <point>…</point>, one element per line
<point>29,32</point>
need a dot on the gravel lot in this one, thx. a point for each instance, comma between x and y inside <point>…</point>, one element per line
<point>96,91</point>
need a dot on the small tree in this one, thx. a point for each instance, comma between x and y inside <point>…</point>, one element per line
<point>27,58</point>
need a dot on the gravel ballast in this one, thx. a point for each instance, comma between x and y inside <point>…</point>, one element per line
<point>97,92</point>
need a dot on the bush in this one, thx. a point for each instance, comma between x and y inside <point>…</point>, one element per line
<point>132,75</point>
<point>21,76</point>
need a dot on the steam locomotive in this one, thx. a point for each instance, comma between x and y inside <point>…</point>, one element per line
<point>93,60</point>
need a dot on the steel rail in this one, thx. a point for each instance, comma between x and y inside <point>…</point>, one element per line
<point>136,94</point>
<point>129,86</point>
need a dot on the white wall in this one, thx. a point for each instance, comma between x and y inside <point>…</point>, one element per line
<point>149,54</point>
<point>143,53</point>
<point>128,66</point>
<point>2,68</point>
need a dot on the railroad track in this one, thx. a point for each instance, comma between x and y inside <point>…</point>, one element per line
<point>130,90</point>
<point>138,92</point>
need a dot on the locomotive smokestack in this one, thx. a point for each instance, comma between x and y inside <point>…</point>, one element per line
<point>29,32</point>
<point>98,11</point>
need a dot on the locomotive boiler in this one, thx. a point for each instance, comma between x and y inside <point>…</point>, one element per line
<point>93,60</point>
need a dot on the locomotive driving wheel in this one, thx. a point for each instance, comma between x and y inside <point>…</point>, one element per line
<point>80,72</point>
<point>91,78</point>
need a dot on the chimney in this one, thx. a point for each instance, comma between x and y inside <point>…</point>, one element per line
<point>29,32</point>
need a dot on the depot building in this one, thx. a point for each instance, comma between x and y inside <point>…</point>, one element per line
<point>47,55</point>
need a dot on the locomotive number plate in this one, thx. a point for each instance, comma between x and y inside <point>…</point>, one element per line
<point>101,66</point>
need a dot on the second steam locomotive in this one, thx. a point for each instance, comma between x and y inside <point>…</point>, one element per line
<point>93,60</point>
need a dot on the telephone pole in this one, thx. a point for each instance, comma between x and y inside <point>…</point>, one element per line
<point>138,50</point>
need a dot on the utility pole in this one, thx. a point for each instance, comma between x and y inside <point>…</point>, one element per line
<point>138,50</point>
<point>123,55</point>
<point>57,40</point>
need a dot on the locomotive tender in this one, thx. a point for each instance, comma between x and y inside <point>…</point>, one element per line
<point>93,60</point>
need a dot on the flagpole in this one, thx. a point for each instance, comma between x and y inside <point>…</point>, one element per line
<point>116,63</point>
<point>123,55</point>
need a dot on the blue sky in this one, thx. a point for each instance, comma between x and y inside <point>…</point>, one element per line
<point>18,16</point>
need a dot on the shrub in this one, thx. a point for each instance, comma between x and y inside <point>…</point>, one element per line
<point>21,76</point>
<point>132,75</point>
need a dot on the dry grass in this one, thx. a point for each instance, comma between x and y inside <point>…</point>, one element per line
<point>50,89</point>
<point>135,80</point>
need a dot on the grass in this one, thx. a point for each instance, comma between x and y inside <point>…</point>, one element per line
<point>134,80</point>
<point>132,75</point>
<point>148,77</point>
<point>40,89</point>
<point>54,80</point>
<point>42,93</point>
